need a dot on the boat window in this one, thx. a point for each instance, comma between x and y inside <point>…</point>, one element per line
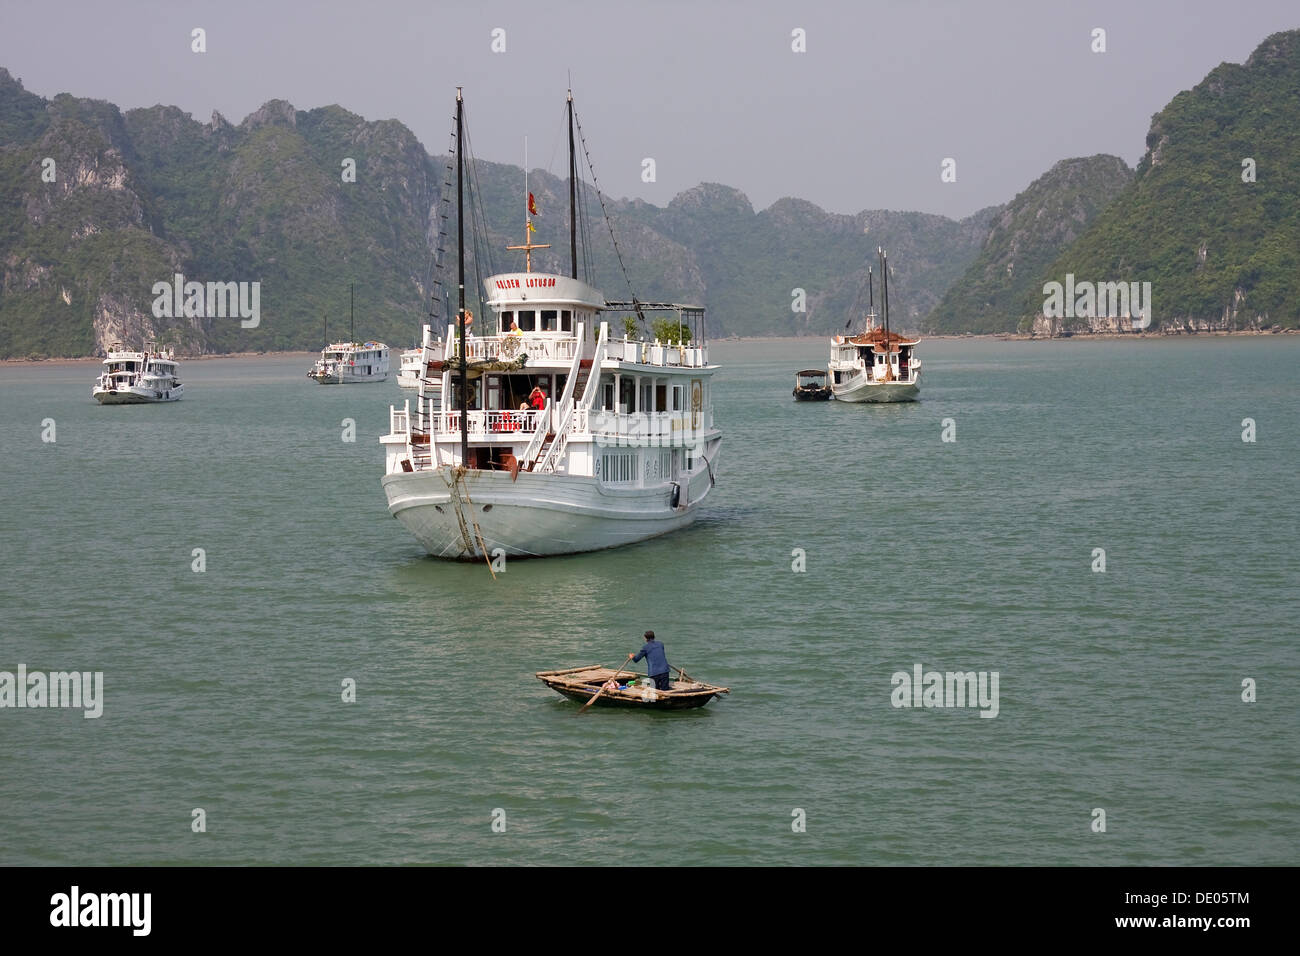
<point>678,392</point>
<point>506,319</point>
<point>661,398</point>
<point>644,405</point>
<point>566,320</point>
<point>626,393</point>
<point>527,320</point>
<point>549,320</point>
<point>607,395</point>
<point>616,467</point>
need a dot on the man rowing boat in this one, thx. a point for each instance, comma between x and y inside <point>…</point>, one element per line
<point>656,661</point>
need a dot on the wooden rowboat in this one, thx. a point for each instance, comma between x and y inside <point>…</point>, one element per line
<point>580,683</point>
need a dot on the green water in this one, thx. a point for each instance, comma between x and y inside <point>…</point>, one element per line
<point>1118,690</point>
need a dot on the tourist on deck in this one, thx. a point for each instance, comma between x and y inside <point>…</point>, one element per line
<point>536,398</point>
<point>656,661</point>
<point>514,328</point>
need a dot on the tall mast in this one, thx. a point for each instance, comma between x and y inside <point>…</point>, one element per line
<point>884,272</point>
<point>573,194</point>
<point>460,315</point>
<point>871,299</point>
<point>352,312</point>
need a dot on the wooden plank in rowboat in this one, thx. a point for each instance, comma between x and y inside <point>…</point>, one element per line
<point>581,683</point>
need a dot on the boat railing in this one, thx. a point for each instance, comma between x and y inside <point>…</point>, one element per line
<point>552,458</point>
<point>593,379</point>
<point>399,419</point>
<point>539,433</point>
<point>509,348</point>
<point>658,353</point>
<point>491,422</point>
<point>581,412</point>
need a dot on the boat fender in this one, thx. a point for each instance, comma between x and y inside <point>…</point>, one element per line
<point>677,494</point>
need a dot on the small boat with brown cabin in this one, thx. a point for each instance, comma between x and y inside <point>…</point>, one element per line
<point>582,683</point>
<point>810,386</point>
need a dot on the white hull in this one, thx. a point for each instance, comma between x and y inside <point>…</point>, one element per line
<point>537,514</point>
<point>136,395</point>
<point>409,380</point>
<point>862,390</point>
<point>334,378</point>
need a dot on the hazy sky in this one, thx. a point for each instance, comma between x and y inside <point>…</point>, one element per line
<point>710,89</point>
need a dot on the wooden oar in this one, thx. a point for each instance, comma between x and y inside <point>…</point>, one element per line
<point>685,676</point>
<point>601,691</point>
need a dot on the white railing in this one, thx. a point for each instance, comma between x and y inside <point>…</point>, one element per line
<point>566,410</point>
<point>508,348</point>
<point>593,376</point>
<point>581,410</point>
<point>399,419</point>
<point>494,422</point>
<point>539,434</point>
<point>658,353</point>
<point>553,457</point>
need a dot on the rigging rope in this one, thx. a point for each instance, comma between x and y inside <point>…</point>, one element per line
<point>608,222</point>
<point>437,290</point>
<point>478,230</point>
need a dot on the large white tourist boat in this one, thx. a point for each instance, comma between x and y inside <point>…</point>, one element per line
<point>138,378</point>
<point>878,365</point>
<point>560,434</point>
<point>349,363</point>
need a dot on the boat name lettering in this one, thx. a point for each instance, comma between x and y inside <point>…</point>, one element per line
<point>531,282</point>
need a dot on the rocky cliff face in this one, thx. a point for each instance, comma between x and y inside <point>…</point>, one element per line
<point>1026,235</point>
<point>76,229</point>
<point>1212,218</point>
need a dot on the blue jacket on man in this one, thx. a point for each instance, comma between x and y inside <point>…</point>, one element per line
<point>656,661</point>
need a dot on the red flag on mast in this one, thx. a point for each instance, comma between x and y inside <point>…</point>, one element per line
<point>532,205</point>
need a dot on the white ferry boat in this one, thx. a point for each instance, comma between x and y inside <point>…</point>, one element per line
<point>560,434</point>
<point>349,363</point>
<point>879,365</point>
<point>138,378</point>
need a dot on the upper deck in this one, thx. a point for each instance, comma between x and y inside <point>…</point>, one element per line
<point>548,320</point>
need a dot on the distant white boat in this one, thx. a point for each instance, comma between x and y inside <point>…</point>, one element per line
<point>879,365</point>
<point>408,374</point>
<point>138,378</point>
<point>350,363</point>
